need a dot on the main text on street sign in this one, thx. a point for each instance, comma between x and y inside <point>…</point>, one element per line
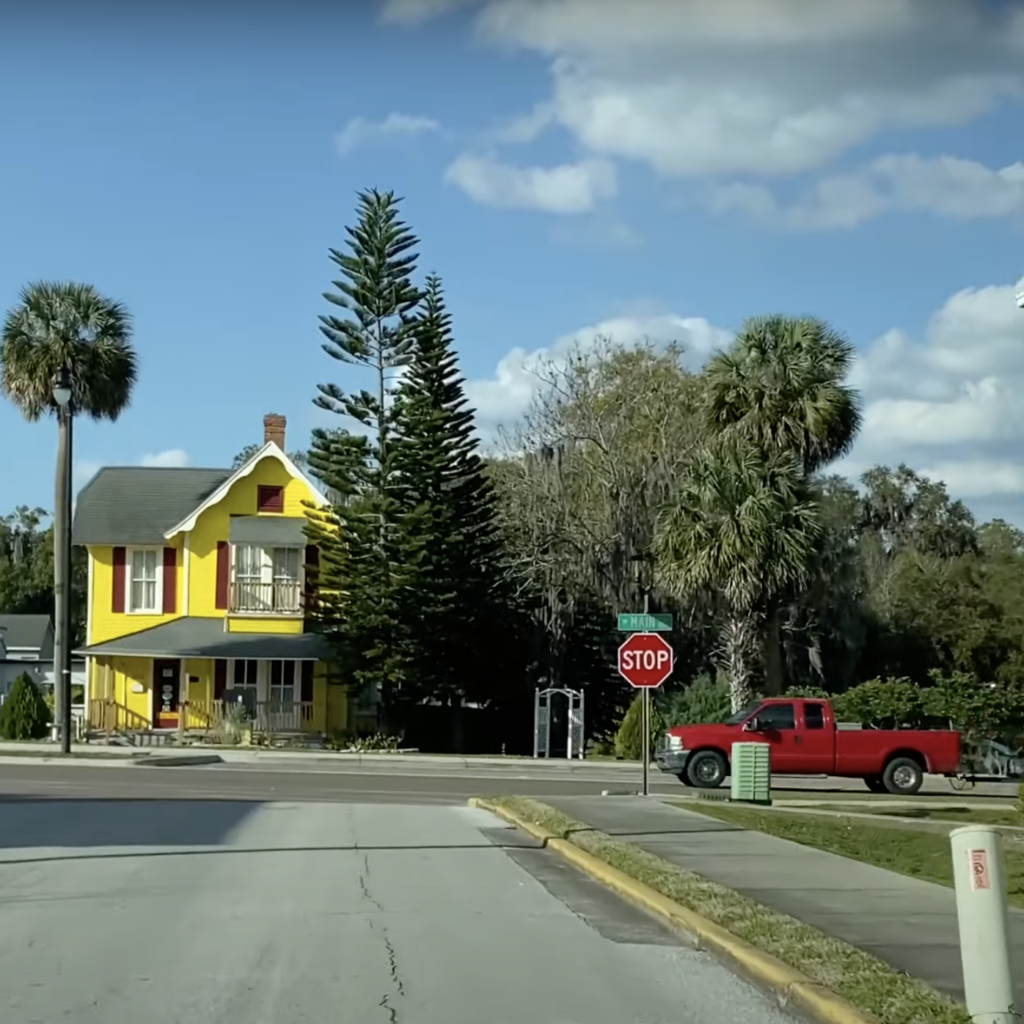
<point>644,622</point>
<point>646,660</point>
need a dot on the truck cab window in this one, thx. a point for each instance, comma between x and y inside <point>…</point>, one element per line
<point>776,716</point>
<point>814,716</point>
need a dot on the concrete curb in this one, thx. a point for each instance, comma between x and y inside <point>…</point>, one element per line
<point>177,760</point>
<point>790,986</point>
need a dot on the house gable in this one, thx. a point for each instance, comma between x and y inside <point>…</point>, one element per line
<point>266,478</point>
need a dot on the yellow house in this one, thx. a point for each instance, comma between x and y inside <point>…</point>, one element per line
<point>198,585</point>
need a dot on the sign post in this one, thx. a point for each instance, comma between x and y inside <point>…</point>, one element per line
<point>646,660</point>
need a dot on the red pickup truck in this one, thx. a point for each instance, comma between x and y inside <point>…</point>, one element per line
<point>806,740</point>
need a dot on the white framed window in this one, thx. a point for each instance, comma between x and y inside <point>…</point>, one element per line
<point>145,579</point>
<point>245,675</point>
<point>267,580</point>
<point>281,689</point>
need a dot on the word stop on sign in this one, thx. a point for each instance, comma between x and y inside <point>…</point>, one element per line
<point>646,661</point>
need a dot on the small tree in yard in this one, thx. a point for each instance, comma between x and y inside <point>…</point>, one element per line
<point>629,742</point>
<point>24,714</point>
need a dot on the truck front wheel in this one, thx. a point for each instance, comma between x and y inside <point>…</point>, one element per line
<point>707,769</point>
<point>903,776</point>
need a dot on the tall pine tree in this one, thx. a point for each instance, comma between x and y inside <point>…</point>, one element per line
<point>450,542</point>
<point>360,574</point>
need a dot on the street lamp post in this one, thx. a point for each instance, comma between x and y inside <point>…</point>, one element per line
<point>62,560</point>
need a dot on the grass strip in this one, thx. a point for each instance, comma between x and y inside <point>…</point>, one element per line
<point>907,851</point>
<point>860,978</point>
<point>1007,817</point>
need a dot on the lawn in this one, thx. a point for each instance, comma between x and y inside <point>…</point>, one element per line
<point>868,983</point>
<point>1004,816</point>
<point>909,851</point>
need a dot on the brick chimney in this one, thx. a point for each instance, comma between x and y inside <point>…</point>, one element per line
<point>273,429</point>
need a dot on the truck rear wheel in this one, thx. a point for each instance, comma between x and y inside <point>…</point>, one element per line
<point>875,783</point>
<point>903,776</point>
<point>707,769</point>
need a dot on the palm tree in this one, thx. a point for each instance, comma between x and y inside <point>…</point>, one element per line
<point>72,327</point>
<point>782,388</point>
<point>743,526</point>
<point>71,330</point>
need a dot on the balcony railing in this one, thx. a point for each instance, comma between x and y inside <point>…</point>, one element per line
<point>281,598</point>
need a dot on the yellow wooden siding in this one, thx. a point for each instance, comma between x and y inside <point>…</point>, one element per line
<point>106,623</point>
<point>212,526</point>
<point>264,624</point>
<point>128,682</point>
<point>215,525</point>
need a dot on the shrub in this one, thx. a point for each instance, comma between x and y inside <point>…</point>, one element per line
<point>704,700</point>
<point>629,739</point>
<point>883,704</point>
<point>24,714</point>
<point>359,741</point>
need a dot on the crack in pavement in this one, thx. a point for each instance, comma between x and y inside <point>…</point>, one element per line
<point>389,948</point>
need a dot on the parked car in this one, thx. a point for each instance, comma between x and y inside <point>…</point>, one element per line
<point>805,739</point>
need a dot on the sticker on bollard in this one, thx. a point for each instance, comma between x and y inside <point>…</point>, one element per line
<point>979,870</point>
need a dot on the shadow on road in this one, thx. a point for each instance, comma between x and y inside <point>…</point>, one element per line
<point>31,821</point>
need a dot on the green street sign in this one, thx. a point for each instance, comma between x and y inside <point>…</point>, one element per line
<point>638,622</point>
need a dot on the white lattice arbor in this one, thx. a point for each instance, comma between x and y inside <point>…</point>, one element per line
<point>542,722</point>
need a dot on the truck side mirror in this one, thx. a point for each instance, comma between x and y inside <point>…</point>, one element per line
<point>750,725</point>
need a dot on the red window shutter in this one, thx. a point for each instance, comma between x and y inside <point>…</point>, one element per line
<point>269,499</point>
<point>170,606</point>
<point>306,689</point>
<point>220,678</point>
<point>120,580</point>
<point>223,572</point>
<point>312,575</point>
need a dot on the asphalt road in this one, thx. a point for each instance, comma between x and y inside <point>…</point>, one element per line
<point>378,783</point>
<point>241,912</point>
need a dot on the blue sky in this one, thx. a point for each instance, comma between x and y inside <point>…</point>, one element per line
<point>570,170</point>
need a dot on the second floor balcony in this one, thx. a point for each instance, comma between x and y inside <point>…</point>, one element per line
<point>282,597</point>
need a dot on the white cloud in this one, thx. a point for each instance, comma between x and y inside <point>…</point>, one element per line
<point>173,457</point>
<point>766,88</point>
<point>947,186</point>
<point>947,403</point>
<point>504,398</point>
<point>566,189</point>
<point>359,131</point>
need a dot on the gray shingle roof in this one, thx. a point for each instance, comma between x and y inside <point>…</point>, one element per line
<point>28,632</point>
<point>195,637</point>
<point>270,531</point>
<point>139,504</point>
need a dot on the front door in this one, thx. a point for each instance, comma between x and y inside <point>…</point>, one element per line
<point>166,692</point>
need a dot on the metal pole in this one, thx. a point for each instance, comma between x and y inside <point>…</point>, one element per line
<point>65,676</point>
<point>646,731</point>
<point>980,880</point>
<point>59,572</point>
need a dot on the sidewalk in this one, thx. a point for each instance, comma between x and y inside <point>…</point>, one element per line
<point>251,755</point>
<point>910,924</point>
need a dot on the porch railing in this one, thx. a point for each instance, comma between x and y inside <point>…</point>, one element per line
<point>109,716</point>
<point>266,716</point>
<point>279,598</point>
<point>205,716</point>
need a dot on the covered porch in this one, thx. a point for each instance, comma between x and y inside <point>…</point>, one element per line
<point>190,676</point>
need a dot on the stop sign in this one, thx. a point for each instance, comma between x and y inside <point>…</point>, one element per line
<point>645,660</point>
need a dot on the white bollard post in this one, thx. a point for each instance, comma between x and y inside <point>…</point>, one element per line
<point>981,907</point>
